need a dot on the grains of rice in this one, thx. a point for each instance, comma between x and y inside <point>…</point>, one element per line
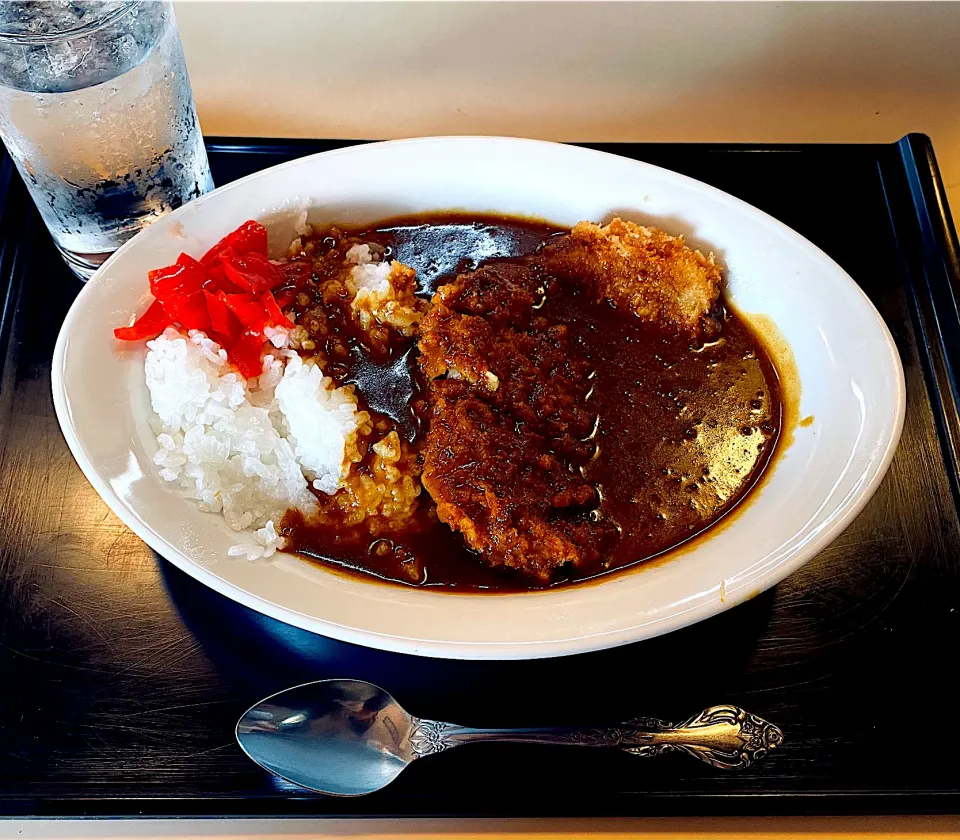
<point>359,255</point>
<point>383,292</point>
<point>228,443</point>
<point>320,420</point>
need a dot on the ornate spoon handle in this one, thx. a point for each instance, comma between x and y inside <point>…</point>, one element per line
<point>723,736</point>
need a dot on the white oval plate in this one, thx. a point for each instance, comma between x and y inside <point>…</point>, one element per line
<point>852,384</point>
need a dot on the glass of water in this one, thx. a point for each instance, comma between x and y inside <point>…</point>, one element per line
<point>97,113</point>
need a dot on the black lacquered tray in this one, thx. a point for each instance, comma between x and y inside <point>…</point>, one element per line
<point>121,678</point>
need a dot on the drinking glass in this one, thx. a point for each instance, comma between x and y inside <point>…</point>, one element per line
<point>97,113</point>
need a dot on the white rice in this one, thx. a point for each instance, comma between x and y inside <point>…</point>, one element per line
<point>376,298</point>
<point>247,448</point>
<point>359,255</point>
<point>319,419</point>
<point>370,279</point>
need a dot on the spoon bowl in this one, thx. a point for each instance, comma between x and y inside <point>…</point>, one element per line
<point>340,737</point>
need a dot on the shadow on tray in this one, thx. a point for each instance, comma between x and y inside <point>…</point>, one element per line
<point>698,666</point>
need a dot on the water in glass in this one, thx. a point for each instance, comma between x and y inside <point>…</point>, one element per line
<point>97,113</point>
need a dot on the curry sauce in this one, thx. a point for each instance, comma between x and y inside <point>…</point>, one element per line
<point>682,429</point>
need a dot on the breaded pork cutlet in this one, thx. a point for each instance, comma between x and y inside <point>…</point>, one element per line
<point>640,269</point>
<point>510,423</point>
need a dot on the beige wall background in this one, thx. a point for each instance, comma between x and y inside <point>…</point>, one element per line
<point>655,71</point>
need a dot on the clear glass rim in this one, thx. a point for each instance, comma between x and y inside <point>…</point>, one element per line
<point>66,34</point>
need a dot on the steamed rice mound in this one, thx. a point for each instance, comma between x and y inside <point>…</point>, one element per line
<point>230,445</point>
<point>320,443</point>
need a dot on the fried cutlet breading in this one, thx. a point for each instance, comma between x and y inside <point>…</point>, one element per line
<point>509,425</point>
<point>641,269</point>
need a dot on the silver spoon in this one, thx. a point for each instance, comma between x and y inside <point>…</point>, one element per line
<point>349,737</point>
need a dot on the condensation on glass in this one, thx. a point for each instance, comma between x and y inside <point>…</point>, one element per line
<point>97,113</point>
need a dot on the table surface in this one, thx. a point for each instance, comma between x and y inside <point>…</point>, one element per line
<point>72,569</point>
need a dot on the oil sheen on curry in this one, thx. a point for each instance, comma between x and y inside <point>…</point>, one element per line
<point>544,406</point>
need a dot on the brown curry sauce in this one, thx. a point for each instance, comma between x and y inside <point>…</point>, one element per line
<point>684,432</point>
